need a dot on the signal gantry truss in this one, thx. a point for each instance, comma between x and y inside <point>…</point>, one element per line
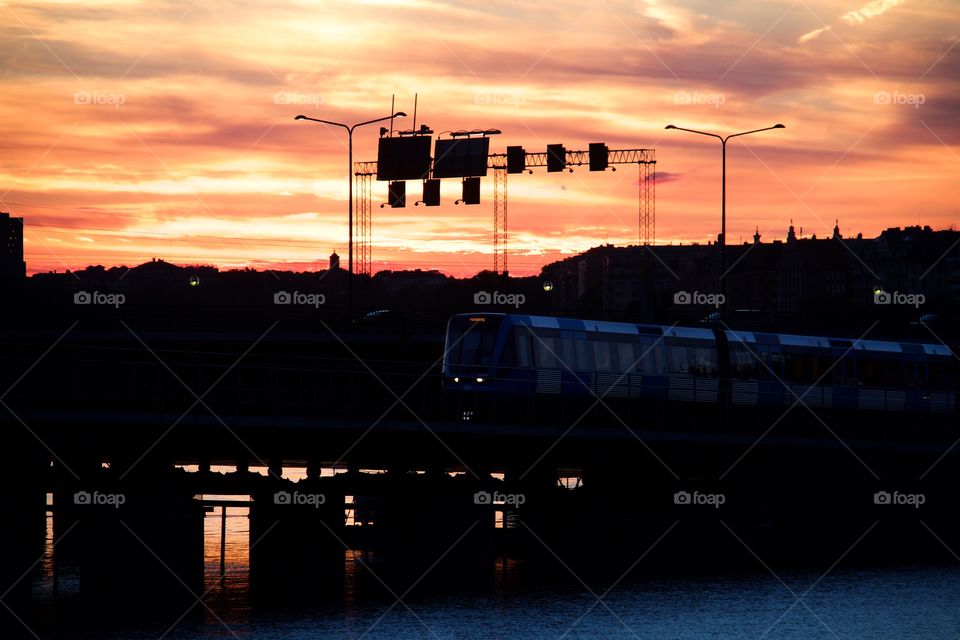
<point>643,158</point>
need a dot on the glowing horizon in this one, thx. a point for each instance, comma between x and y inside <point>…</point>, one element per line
<point>137,131</point>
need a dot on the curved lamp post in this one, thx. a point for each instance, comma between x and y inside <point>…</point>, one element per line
<point>350,128</point>
<point>723,183</point>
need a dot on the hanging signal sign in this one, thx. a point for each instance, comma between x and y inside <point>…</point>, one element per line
<point>461,157</point>
<point>403,158</point>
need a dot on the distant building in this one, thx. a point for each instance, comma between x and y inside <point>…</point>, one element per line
<point>12,267</point>
<point>801,279</point>
<point>334,261</point>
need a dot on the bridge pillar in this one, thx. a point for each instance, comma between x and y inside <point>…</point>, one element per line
<point>275,468</point>
<point>141,538</point>
<point>296,539</point>
<point>24,477</point>
<point>431,528</point>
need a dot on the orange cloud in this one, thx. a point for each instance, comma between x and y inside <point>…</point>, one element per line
<point>135,131</point>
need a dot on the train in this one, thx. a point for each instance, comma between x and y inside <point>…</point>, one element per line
<point>508,355</point>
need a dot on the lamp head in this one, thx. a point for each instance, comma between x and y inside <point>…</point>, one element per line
<point>670,126</point>
<point>300,117</point>
<point>779,126</point>
<point>399,114</point>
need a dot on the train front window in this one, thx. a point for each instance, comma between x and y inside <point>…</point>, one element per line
<point>470,343</point>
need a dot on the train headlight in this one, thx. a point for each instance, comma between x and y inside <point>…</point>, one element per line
<point>479,379</point>
<point>456,379</point>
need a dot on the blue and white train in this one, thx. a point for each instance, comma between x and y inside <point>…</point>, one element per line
<point>512,355</point>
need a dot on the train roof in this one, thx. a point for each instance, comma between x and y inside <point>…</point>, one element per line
<point>748,338</point>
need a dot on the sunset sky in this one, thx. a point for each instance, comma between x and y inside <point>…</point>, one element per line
<point>133,130</point>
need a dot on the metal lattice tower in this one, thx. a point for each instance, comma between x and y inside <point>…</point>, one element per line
<point>648,196</point>
<point>500,219</point>
<point>363,175</point>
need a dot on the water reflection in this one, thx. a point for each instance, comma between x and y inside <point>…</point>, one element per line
<point>226,559</point>
<point>512,600</point>
<point>917,602</point>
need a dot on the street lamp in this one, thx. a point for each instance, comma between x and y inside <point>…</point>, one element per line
<point>398,114</point>
<point>723,185</point>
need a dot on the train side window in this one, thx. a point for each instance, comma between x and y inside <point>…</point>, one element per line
<point>894,373</point>
<point>771,367</point>
<point>660,353</point>
<point>846,374</point>
<point>866,372</point>
<point>743,364</point>
<point>703,361</point>
<point>523,347</point>
<point>650,354</point>
<point>920,371</point>
<point>508,358</point>
<point>880,372</point>
<point>678,358</point>
<point>869,373</point>
<point>939,375</point>
<point>798,368</point>
<point>567,355</point>
<point>547,352</point>
<point>584,363</point>
<point>910,368</point>
<point>601,355</point>
<point>626,356</point>
<point>825,371</point>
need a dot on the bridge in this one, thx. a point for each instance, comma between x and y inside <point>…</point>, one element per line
<point>141,412</point>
